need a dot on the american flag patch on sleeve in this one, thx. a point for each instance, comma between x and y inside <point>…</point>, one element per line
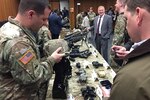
<point>26,57</point>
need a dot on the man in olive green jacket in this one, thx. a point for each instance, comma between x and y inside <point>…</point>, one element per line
<point>132,82</point>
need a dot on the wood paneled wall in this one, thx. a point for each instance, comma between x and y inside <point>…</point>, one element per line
<point>8,8</point>
<point>55,4</point>
<point>72,13</point>
<point>85,4</point>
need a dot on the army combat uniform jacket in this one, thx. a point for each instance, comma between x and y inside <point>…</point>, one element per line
<point>21,70</point>
<point>132,82</point>
<point>44,34</point>
<point>119,30</point>
<point>92,15</point>
<point>79,19</point>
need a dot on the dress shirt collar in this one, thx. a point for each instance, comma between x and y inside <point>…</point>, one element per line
<point>135,45</point>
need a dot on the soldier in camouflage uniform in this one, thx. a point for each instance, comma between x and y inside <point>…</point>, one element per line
<point>44,34</point>
<point>120,25</point>
<point>22,73</point>
<point>79,19</point>
<point>119,30</point>
<point>91,15</point>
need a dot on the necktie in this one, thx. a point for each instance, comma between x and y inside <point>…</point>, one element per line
<point>98,25</point>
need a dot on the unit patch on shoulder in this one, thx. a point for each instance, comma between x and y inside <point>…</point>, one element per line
<point>26,57</point>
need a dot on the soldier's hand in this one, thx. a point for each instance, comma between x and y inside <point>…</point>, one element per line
<point>57,55</point>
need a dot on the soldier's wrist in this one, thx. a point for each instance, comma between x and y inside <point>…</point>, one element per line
<point>51,60</point>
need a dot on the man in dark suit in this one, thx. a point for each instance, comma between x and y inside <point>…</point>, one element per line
<point>102,31</point>
<point>56,24</point>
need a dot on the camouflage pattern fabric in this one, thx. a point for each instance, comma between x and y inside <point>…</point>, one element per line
<point>9,30</point>
<point>79,19</point>
<point>21,70</point>
<point>63,33</point>
<point>91,15</point>
<point>50,46</point>
<point>119,30</point>
<point>118,39</point>
<point>44,34</point>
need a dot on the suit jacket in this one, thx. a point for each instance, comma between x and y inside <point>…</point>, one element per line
<point>106,28</point>
<point>55,23</point>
